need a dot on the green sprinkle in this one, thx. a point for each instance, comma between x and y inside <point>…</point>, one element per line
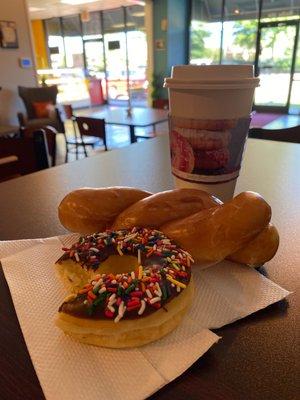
<point>130,288</point>
<point>164,292</point>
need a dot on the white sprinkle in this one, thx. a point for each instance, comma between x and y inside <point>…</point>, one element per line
<point>178,289</point>
<point>172,284</point>
<point>173,257</point>
<point>110,308</point>
<point>139,257</point>
<point>149,294</point>
<point>102,290</point>
<point>113,282</point>
<point>180,255</point>
<point>112,302</point>
<point>130,237</point>
<point>121,308</point>
<point>132,275</point>
<point>117,319</point>
<point>183,267</point>
<point>112,297</point>
<point>142,308</point>
<point>85,302</point>
<point>77,257</point>
<point>94,249</point>
<point>154,300</point>
<point>158,290</point>
<point>151,284</point>
<point>98,284</point>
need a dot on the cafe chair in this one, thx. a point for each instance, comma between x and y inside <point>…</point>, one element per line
<point>92,132</point>
<point>291,135</point>
<point>50,134</point>
<point>74,141</point>
<point>41,110</point>
<point>22,156</point>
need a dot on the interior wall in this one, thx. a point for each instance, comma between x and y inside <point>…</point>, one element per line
<point>11,74</point>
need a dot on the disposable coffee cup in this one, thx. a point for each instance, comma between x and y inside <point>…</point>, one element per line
<point>210,113</point>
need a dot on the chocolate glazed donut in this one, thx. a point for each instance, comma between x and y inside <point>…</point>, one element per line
<point>156,291</point>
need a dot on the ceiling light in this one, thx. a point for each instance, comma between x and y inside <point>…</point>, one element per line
<point>236,11</point>
<point>138,14</point>
<point>76,2</point>
<point>34,9</point>
<point>122,25</point>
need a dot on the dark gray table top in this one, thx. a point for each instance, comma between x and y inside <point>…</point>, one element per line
<point>140,116</point>
<point>257,356</point>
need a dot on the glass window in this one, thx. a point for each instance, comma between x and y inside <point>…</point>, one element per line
<point>295,93</point>
<point>55,43</point>
<point>278,9</point>
<point>115,52</point>
<point>205,32</point>
<point>137,44</point>
<point>240,31</point>
<point>92,29</point>
<point>73,42</point>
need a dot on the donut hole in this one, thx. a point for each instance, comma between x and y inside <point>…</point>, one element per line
<point>115,264</point>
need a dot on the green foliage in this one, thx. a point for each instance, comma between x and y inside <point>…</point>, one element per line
<point>245,34</point>
<point>197,41</point>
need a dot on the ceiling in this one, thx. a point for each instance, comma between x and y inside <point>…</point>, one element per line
<point>211,10</point>
<point>41,9</point>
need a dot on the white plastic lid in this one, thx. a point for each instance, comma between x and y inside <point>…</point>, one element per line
<point>211,77</point>
<point>212,72</point>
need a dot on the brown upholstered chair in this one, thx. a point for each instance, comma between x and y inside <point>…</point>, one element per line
<point>21,156</point>
<point>31,95</point>
<point>283,135</point>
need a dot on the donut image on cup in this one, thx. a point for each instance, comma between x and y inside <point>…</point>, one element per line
<point>182,154</point>
<point>208,140</point>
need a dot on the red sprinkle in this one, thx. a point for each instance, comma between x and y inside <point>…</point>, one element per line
<point>136,293</point>
<point>133,307</point>
<point>133,303</point>
<point>109,314</point>
<point>111,289</point>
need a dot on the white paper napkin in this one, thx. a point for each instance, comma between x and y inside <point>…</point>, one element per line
<point>70,370</point>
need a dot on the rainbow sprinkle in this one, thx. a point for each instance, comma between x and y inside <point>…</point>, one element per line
<point>163,272</point>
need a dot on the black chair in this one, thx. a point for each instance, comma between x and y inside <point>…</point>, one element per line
<point>50,134</point>
<point>74,141</point>
<point>31,95</point>
<point>92,131</point>
<point>21,156</point>
<point>291,135</point>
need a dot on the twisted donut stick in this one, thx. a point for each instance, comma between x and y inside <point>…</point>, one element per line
<point>212,235</point>
<point>163,207</point>
<point>91,210</point>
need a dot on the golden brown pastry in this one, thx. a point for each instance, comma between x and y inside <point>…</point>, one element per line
<point>163,207</point>
<point>89,210</point>
<point>212,235</point>
<point>259,250</point>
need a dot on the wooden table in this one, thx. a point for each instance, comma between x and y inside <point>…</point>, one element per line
<point>9,130</point>
<point>141,117</point>
<point>257,356</point>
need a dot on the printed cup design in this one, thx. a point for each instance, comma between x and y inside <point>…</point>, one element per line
<point>207,151</point>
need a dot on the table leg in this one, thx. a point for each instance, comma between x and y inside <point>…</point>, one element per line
<point>132,134</point>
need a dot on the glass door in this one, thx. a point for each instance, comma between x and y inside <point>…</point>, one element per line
<point>274,64</point>
<point>94,58</point>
